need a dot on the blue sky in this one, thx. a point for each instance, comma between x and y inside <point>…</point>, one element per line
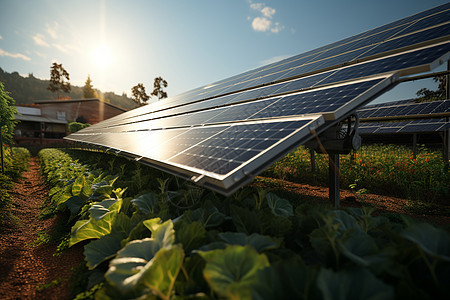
<point>188,43</point>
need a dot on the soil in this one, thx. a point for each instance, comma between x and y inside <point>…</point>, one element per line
<point>29,270</point>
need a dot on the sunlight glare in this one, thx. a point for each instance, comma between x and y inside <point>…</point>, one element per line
<point>102,56</point>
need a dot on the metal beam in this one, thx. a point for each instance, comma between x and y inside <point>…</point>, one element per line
<point>333,177</point>
<point>313,160</point>
<point>414,145</point>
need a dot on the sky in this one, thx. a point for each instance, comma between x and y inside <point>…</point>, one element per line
<point>189,43</point>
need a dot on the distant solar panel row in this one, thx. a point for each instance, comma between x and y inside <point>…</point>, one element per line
<point>414,126</point>
<point>393,109</point>
<point>324,101</point>
<point>407,60</point>
<point>221,135</point>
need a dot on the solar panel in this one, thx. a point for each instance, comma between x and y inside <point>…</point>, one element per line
<point>223,134</point>
<point>412,126</point>
<point>404,109</point>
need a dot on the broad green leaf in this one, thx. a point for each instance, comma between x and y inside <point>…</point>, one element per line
<point>288,280</point>
<point>91,229</point>
<point>245,220</point>
<point>102,187</point>
<point>352,284</point>
<point>362,250</point>
<point>162,233</point>
<point>432,240</point>
<point>77,186</point>
<point>145,263</point>
<point>208,214</point>
<point>163,270</point>
<point>102,249</point>
<point>345,220</point>
<point>145,203</point>
<point>257,241</point>
<point>232,272</point>
<point>279,206</point>
<point>126,269</point>
<point>99,210</point>
<point>190,235</point>
<point>74,204</point>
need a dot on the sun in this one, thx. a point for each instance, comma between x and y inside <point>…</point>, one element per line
<point>102,56</point>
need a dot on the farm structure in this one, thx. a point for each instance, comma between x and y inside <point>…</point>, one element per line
<point>46,122</point>
<point>223,134</point>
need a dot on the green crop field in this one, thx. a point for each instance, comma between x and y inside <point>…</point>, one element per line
<point>150,235</point>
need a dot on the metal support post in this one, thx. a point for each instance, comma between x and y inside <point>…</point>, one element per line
<point>446,147</point>
<point>414,145</point>
<point>447,88</point>
<point>313,161</point>
<point>333,177</point>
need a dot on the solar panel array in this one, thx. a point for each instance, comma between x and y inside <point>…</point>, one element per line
<point>406,108</point>
<point>410,126</point>
<point>222,134</point>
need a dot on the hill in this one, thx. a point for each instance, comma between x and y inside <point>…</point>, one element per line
<point>25,90</point>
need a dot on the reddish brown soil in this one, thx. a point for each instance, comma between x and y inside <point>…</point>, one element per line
<point>23,266</point>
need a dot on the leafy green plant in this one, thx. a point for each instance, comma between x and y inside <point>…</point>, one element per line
<point>170,242</point>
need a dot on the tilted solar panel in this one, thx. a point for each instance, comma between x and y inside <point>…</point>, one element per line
<point>412,126</point>
<point>393,109</point>
<point>223,134</point>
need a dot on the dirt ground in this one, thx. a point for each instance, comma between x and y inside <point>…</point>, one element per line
<point>30,271</point>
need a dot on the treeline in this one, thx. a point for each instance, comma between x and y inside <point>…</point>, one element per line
<point>26,90</point>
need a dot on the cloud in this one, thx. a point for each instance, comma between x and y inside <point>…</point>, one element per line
<point>264,21</point>
<point>51,30</point>
<point>1,38</point>
<point>14,55</point>
<point>268,11</point>
<point>261,24</point>
<point>61,48</point>
<point>274,59</point>
<point>40,54</point>
<point>39,40</point>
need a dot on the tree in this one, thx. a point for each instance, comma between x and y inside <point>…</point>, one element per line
<point>138,94</point>
<point>7,120</point>
<point>88,90</point>
<point>57,81</point>
<point>158,86</point>
<point>429,95</point>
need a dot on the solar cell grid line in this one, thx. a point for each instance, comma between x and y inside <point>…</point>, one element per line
<point>339,77</point>
<point>405,109</point>
<point>406,60</point>
<point>326,101</point>
<point>411,126</point>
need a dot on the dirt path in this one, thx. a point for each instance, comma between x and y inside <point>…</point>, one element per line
<point>23,266</point>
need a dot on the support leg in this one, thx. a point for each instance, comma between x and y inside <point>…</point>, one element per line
<point>414,145</point>
<point>313,161</point>
<point>333,176</point>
